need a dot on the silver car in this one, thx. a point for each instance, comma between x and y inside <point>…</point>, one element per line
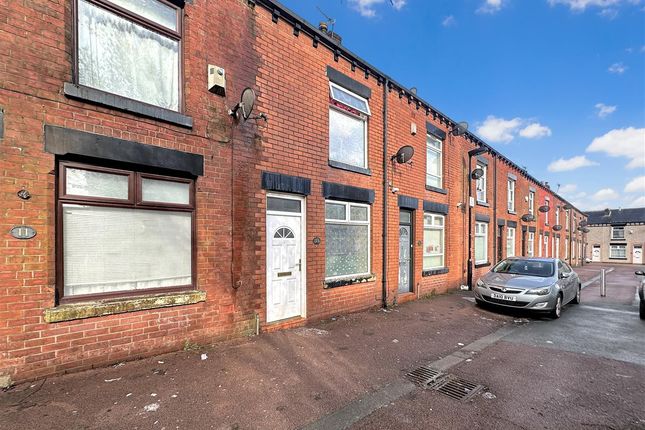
<point>537,284</point>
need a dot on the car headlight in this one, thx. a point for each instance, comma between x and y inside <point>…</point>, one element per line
<point>481,284</point>
<point>539,291</point>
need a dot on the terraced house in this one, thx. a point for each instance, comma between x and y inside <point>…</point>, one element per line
<point>143,206</point>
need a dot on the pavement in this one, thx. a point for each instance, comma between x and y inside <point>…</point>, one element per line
<point>585,370</point>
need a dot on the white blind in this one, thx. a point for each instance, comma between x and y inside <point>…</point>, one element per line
<point>121,249</point>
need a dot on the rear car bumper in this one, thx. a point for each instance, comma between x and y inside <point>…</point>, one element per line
<point>522,301</point>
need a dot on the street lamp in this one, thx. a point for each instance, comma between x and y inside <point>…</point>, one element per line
<point>472,153</point>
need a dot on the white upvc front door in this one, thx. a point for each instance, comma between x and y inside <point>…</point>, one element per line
<point>285,258</point>
<point>637,254</point>
<point>595,253</point>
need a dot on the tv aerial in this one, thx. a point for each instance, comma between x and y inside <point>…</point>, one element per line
<point>327,26</point>
<point>245,107</point>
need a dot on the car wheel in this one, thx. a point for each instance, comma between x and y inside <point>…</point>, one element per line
<point>642,310</point>
<point>576,299</point>
<point>480,303</point>
<point>557,310</point>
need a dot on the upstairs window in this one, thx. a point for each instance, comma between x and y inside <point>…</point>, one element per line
<point>618,232</point>
<point>131,48</point>
<point>532,202</point>
<point>546,214</point>
<point>566,219</point>
<point>434,162</point>
<point>511,195</point>
<point>557,215</point>
<point>480,185</point>
<point>348,115</point>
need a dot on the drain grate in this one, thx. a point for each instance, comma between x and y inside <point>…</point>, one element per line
<point>458,388</point>
<point>425,376</point>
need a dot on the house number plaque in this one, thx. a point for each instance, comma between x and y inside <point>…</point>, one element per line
<point>23,232</point>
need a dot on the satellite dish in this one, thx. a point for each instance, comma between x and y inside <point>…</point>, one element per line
<point>583,223</point>
<point>247,101</point>
<point>404,154</point>
<point>460,129</point>
<point>528,218</point>
<point>544,208</point>
<point>477,173</point>
<point>586,230</point>
<point>566,207</point>
<point>557,227</point>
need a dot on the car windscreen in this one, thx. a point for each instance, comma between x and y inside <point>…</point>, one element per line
<point>544,269</point>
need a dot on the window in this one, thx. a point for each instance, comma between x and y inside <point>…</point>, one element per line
<point>131,48</point>
<point>531,244</point>
<point>557,215</point>
<point>481,242</point>
<point>511,195</point>
<point>546,214</point>
<point>618,232</point>
<point>573,250</point>
<point>481,184</point>
<point>347,239</point>
<point>566,219</point>
<point>434,162</point>
<point>617,251</point>
<point>546,245</point>
<point>348,115</point>
<point>566,248</point>
<point>123,231</point>
<point>540,246</point>
<point>532,202</point>
<point>433,241</point>
<point>557,247</point>
<point>510,242</point>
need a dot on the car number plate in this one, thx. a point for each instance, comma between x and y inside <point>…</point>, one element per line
<point>503,297</point>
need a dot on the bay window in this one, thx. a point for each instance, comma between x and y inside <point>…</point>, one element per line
<point>130,48</point>
<point>510,242</point>
<point>433,241</point>
<point>123,232</point>
<point>348,113</point>
<point>347,239</point>
<point>434,162</point>
<point>481,242</point>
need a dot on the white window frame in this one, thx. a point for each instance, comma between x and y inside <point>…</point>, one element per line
<point>614,248</point>
<point>478,233</point>
<point>557,215</point>
<point>361,116</point>
<point>546,246</point>
<point>439,152</point>
<point>616,229</point>
<point>530,250</point>
<point>348,221</point>
<point>510,195</point>
<point>481,183</point>
<point>435,227</point>
<point>566,219</point>
<point>547,202</point>
<point>557,247</point>
<point>532,202</point>
<point>510,240</point>
<point>540,244</point>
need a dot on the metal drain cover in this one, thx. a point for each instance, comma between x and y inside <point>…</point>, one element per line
<point>425,376</point>
<point>458,388</point>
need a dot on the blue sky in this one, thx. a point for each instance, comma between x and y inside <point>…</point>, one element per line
<point>558,86</point>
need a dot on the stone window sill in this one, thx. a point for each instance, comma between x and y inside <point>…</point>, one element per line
<point>118,306</point>
<point>350,168</point>
<point>436,190</point>
<point>341,282</point>
<point>434,272</point>
<point>103,98</point>
<point>486,205</point>
<point>478,265</point>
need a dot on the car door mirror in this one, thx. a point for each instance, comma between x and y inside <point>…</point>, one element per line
<point>564,275</point>
<point>639,273</point>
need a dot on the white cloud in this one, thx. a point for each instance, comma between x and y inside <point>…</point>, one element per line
<point>636,185</point>
<point>568,189</point>
<point>449,21</point>
<point>622,142</point>
<point>582,5</point>
<point>367,8</point>
<point>499,130</point>
<point>617,68</point>
<point>605,110</point>
<point>573,163</point>
<point>639,202</point>
<point>535,131</point>
<point>491,6</point>
<point>605,194</point>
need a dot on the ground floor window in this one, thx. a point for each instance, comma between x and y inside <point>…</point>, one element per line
<point>531,244</point>
<point>546,246</point>
<point>481,242</point>
<point>557,247</point>
<point>123,231</point>
<point>433,241</point>
<point>566,248</point>
<point>617,251</point>
<point>510,242</point>
<point>347,239</point>
<point>540,246</point>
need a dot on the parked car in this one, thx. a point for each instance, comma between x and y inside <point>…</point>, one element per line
<point>536,284</point>
<point>641,295</point>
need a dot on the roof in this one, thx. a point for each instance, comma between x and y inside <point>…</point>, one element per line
<point>279,11</point>
<point>617,216</point>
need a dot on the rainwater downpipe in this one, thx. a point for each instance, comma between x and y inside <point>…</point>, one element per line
<point>494,222</point>
<point>386,83</point>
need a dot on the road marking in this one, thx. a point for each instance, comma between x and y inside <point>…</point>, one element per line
<point>618,311</point>
<point>364,406</point>
<point>595,278</point>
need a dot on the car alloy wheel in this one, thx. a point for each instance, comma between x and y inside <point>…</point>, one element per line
<point>557,310</point>
<point>576,299</point>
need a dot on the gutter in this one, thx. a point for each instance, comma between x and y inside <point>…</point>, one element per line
<point>385,192</point>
